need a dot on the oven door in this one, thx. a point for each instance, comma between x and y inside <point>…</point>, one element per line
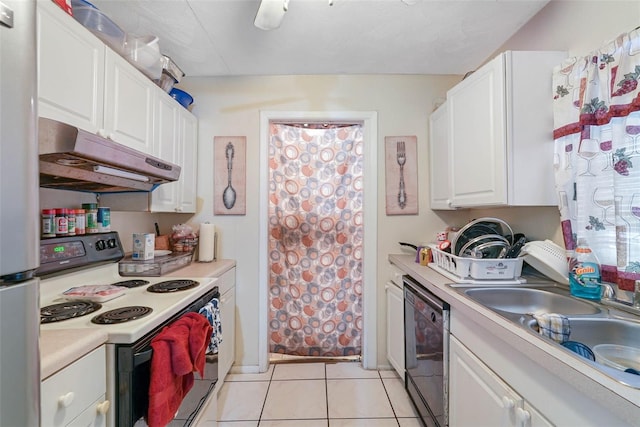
<point>133,386</point>
<point>426,348</point>
<point>133,376</point>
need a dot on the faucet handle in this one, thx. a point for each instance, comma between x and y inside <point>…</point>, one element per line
<point>608,291</point>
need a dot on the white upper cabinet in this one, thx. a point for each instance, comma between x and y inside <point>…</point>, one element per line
<point>165,197</point>
<point>439,158</point>
<point>129,100</point>
<point>189,161</point>
<point>70,70</point>
<point>85,84</point>
<point>501,132</point>
<point>176,140</point>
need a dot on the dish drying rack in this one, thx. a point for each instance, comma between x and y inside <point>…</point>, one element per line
<point>504,271</point>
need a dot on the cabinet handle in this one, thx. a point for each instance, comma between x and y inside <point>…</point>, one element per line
<point>523,417</point>
<point>102,133</point>
<point>178,209</point>
<point>103,407</point>
<point>66,399</point>
<point>507,402</point>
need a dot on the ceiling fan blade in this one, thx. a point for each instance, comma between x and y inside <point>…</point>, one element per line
<point>270,14</point>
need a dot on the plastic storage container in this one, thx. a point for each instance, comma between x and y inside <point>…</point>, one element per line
<point>584,272</point>
<point>143,52</point>
<point>100,25</point>
<point>182,97</point>
<point>154,267</point>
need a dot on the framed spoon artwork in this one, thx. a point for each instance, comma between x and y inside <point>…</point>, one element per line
<point>229,179</point>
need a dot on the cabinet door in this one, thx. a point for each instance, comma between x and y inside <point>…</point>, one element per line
<point>395,327</point>
<point>477,132</point>
<point>129,101</point>
<point>188,160</point>
<point>440,159</point>
<point>64,397</point>
<point>167,147</point>
<point>93,416</point>
<point>70,70</point>
<point>228,345</point>
<point>477,397</point>
<point>528,416</point>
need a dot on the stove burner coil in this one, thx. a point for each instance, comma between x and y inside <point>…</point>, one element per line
<point>134,283</point>
<point>67,310</point>
<point>173,286</point>
<point>121,315</point>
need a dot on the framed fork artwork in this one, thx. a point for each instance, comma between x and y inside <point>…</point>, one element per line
<point>401,175</point>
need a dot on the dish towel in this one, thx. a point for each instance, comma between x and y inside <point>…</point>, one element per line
<point>178,351</point>
<point>553,325</point>
<point>212,313</point>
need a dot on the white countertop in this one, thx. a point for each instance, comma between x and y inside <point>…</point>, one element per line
<point>204,269</point>
<point>60,348</point>
<point>621,399</point>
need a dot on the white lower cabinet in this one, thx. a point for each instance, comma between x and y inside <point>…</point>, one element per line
<point>75,396</point>
<point>395,327</point>
<point>478,397</point>
<point>226,353</point>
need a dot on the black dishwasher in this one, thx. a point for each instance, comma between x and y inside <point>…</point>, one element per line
<point>426,335</point>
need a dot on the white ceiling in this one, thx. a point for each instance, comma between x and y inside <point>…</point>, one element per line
<point>217,37</point>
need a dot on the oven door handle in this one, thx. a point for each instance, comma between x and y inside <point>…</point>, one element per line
<point>142,357</point>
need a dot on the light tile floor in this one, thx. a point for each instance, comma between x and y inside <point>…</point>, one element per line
<point>315,394</point>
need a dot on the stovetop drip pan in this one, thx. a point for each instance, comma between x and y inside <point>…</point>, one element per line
<point>67,310</point>
<point>122,314</point>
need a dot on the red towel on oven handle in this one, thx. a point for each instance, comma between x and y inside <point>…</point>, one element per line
<point>178,350</point>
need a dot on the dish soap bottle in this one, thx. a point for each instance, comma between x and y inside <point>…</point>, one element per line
<point>584,272</point>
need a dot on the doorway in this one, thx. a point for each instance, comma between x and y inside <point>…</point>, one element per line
<point>316,235</point>
<point>281,219</point>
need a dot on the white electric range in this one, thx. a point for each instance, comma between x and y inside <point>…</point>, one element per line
<point>92,260</point>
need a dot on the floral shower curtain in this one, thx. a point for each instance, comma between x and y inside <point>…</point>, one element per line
<point>315,239</point>
<point>597,155</point>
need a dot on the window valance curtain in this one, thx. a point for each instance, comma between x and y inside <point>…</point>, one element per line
<point>597,154</point>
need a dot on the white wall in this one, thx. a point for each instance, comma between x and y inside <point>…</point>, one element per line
<point>231,106</point>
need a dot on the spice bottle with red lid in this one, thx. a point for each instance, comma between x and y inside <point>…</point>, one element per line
<point>61,222</point>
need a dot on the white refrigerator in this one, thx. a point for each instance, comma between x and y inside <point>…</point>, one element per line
<point>19,217</point>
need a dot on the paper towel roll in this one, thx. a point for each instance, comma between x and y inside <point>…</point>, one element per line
<point>207,242</point>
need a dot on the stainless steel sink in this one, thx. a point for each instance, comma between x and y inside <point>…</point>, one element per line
<point>591,323</point>
<point>530,300</point>
<point>601,330</point>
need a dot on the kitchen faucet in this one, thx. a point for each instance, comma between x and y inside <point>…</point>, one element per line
<point>609,297</point>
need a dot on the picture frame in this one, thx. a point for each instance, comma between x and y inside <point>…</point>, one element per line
<point>229,178</point>
<point>401,175</point>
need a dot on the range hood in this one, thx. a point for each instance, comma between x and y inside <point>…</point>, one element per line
<point>74,159</point>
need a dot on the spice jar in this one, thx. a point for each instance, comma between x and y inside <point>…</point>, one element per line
<point>104,219</point>
<point>48,223</point>
<point>80,222</point>
<point>61,222</point>
<point>71,222</point>
<point>91,217</point>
